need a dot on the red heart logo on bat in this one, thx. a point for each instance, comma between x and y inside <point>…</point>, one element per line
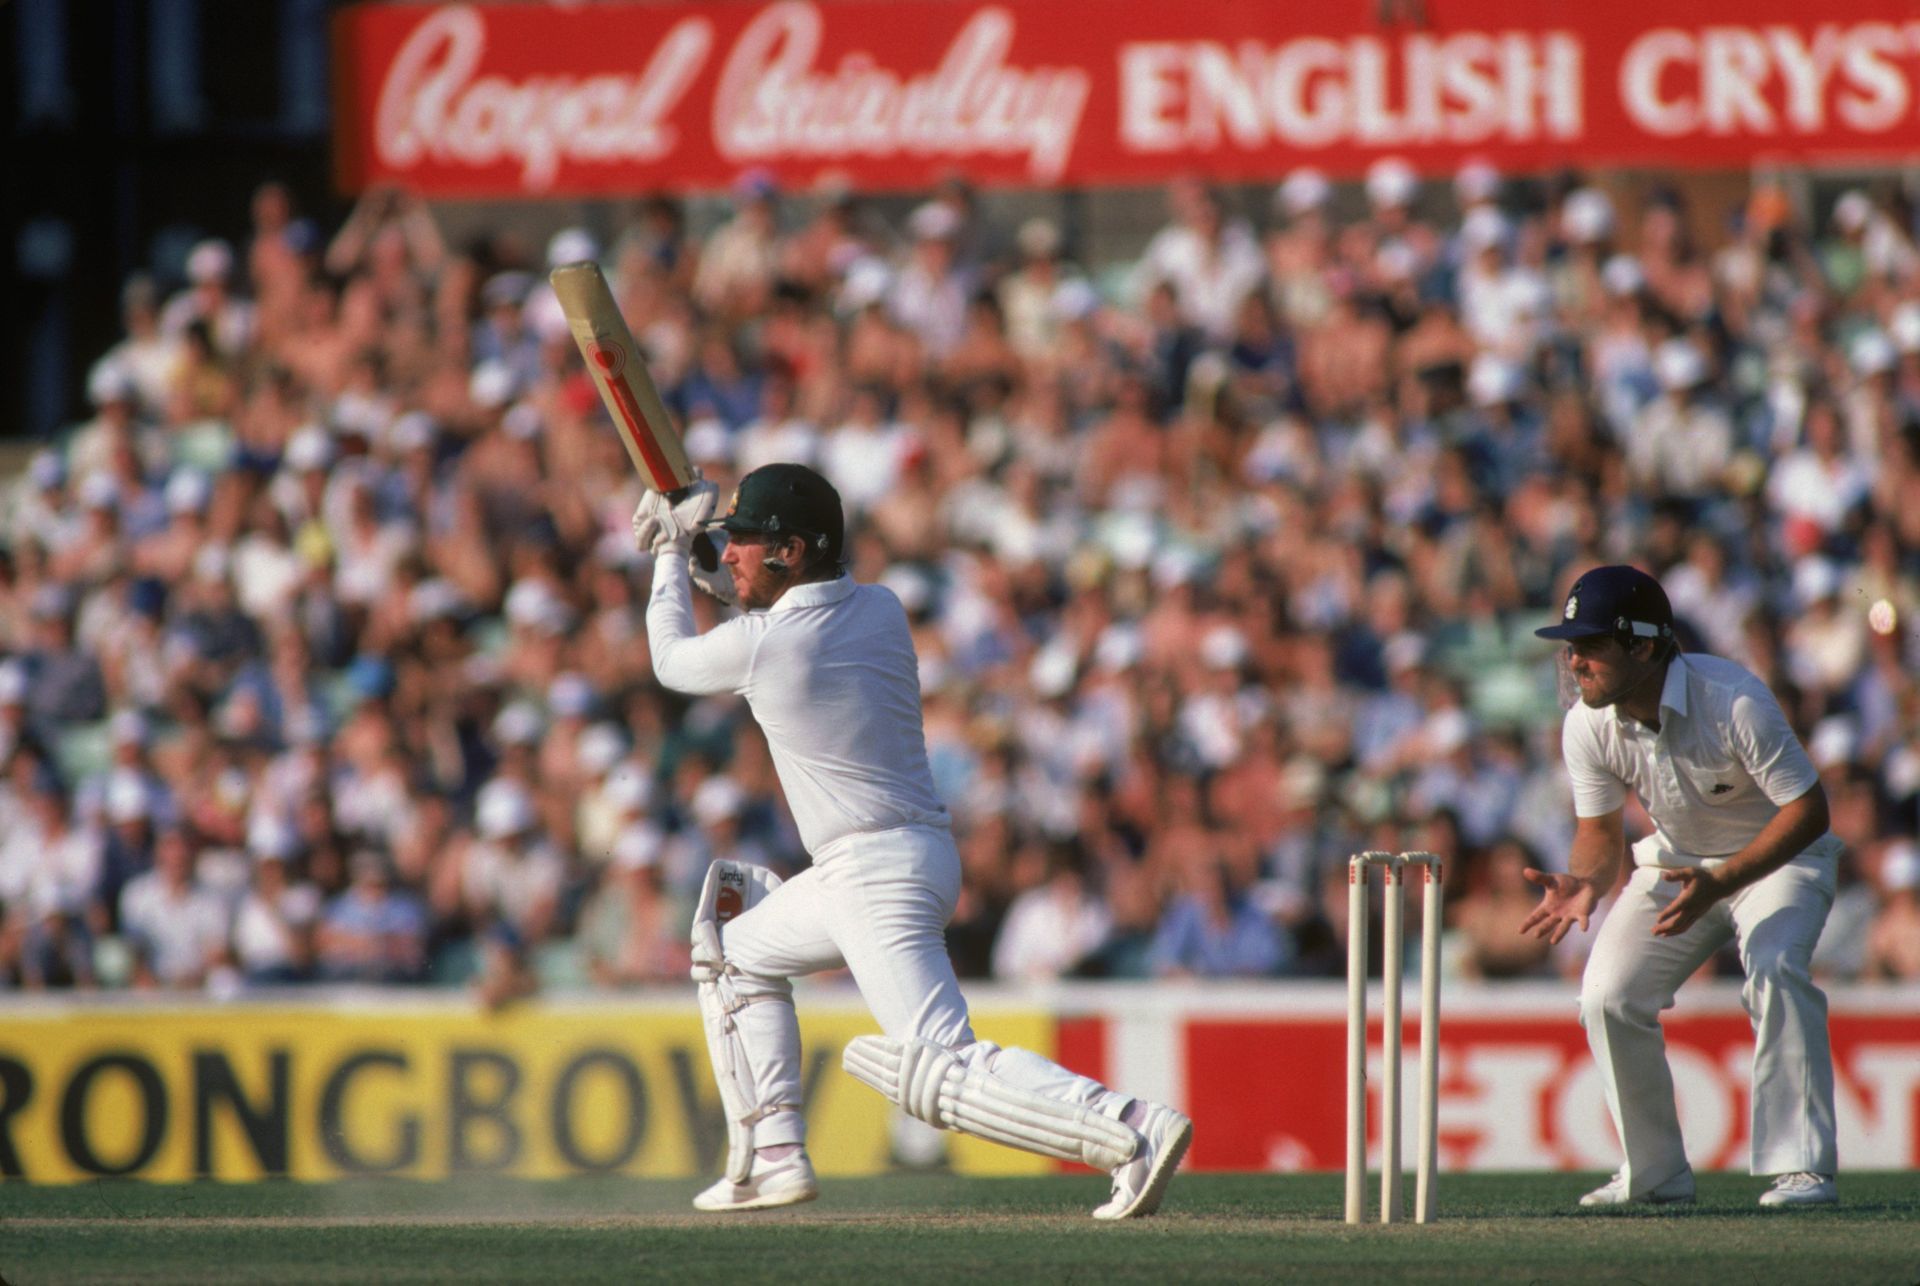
<point>608,357</point>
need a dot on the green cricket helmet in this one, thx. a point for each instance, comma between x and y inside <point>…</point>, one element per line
<point>782,500</point>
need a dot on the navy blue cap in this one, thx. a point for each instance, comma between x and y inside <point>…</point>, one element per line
<point>1622,601</point>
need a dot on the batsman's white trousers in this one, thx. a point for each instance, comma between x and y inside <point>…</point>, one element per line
<point>878,903</point>
<point>1631,976</point>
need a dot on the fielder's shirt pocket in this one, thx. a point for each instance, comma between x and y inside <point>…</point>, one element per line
<point>1713,783</point>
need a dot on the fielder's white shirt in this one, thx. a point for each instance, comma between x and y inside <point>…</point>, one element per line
<point>830,675</point>
<point>1719,769</point>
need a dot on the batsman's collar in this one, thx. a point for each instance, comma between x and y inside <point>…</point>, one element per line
<point>815,593</point>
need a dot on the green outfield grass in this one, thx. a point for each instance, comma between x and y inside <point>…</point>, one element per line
<point>1493,1228</point>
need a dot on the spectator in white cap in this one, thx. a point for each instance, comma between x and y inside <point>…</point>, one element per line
<point>1495,301</point>
<point>710,830</point>
<point>631,931</point>
<point>508,873</point>
<point>209,299</point>
<point>1679,446</point>
<point>1026,293</point>
<point>502,334</point>
<point>1391,184</point>
<point>273,930</point>
<point>740,258</point>
<point>1825,645</point>
<point>1587,219</point>
<point>368,550</point>
<point>607,778</point>
<point>1893,941</point>
<point>1815,488</point>
<point>1580,287</point>
<point>135,804</point>
<point>168,555</point>
<point>930,293</point>
<point>213,636</point>
<point>38,507</point>
<point>503,467</point>
<point>1299,247</point>
<point>517,730</point>
<point>116,425</point>
<point>1866,244</point>
<point>150,356</point>
<point>1507,438</point>
<point>1209,260</point>
<point>130,756</point>
<point>571,701</point>
<point>1302,193</point>
<point>44,856</point>
<point>1477,183</point>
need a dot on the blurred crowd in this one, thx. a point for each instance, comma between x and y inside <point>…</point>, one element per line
<point>324,651</point>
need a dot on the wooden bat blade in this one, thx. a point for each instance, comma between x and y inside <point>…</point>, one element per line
<point>620,374</point>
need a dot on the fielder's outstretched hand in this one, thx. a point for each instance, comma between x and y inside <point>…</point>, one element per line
<point>1565,900</point>
<point>1702,889</point>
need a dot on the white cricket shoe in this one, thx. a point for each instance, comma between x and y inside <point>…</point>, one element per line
<point>770,1184</point>
<point>1674,1192</point>
<point>1139,1184</point>
<point>1802,1189</point>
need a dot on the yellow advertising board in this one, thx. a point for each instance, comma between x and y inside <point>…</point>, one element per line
<point>418,1090</point>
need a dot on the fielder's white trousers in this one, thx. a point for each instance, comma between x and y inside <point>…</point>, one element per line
<point>1631,976</point>
<point>879,904</point>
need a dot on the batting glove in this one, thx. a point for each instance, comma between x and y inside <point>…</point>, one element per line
<point>660,524</point>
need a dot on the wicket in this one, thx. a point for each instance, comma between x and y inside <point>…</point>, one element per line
<point>1393,946</point>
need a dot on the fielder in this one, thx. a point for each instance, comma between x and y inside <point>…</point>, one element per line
<point>827,667</point>
<point>1740,851</point>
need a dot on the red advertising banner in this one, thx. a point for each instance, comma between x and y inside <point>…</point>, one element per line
<point>1265,1081</point>
<point>527,100</point>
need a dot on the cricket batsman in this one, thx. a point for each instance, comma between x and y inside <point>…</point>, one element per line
<point>1740,851</point>
<point>827,666</point>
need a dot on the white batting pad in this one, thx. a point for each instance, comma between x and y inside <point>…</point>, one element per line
<point>731,889</point>
<point>939,1087</point>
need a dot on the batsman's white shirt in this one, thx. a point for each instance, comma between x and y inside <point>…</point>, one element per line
<point>1720,767</point>
<point>830,674</point>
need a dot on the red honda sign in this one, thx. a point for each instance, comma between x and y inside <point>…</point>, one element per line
<point>1263,1074</point>
<point>516,100</point>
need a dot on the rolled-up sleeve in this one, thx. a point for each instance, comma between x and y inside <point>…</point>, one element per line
<point>1759,734</point>
<point>1597,790</point>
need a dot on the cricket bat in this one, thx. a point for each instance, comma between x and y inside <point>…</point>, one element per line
<point>620,374</point>
<point>626,388</point>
